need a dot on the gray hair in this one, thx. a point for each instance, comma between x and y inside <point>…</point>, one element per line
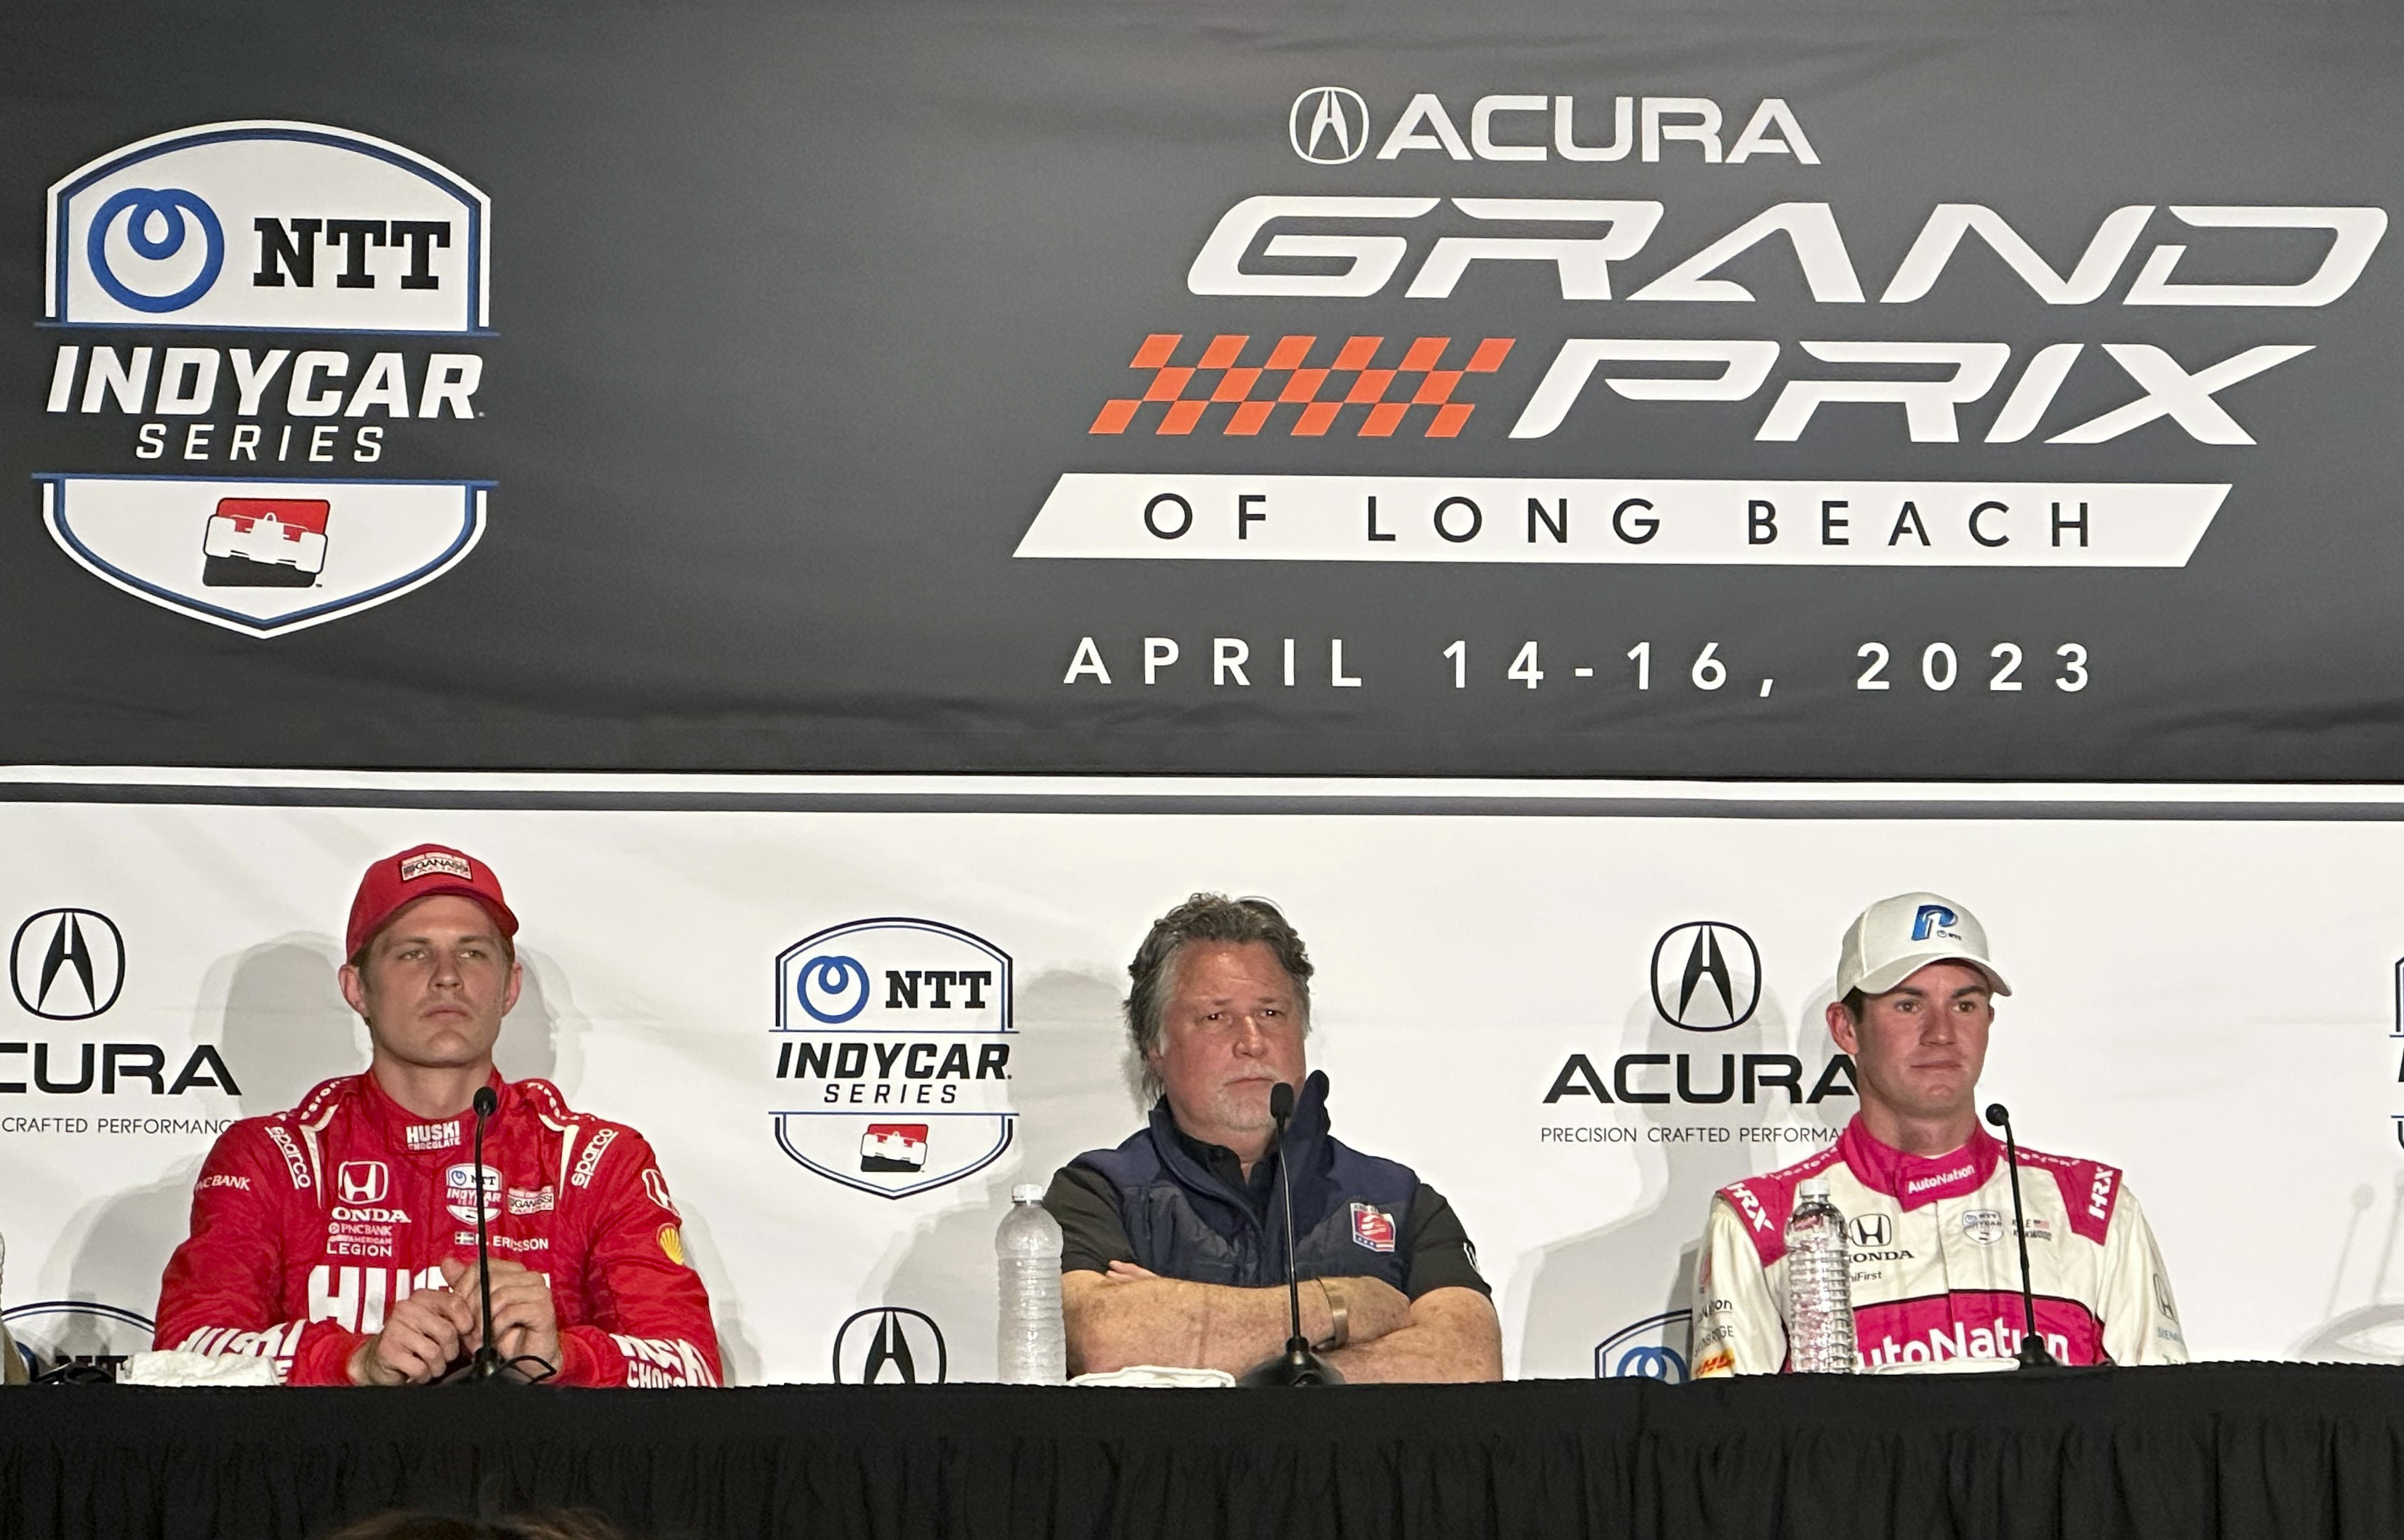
<point>1203,917</point>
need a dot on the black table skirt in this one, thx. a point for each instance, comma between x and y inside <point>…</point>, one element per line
<point>2240,1451</point>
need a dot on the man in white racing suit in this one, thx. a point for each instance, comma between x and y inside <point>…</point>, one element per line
<point>1927,1192</point>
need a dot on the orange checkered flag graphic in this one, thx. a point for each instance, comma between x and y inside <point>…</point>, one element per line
<point>1286,378</point>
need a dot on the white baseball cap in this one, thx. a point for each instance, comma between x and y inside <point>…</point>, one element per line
<point>1897,937</point>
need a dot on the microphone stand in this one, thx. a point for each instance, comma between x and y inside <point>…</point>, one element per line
<point>1298,1365</point>
<point>2032,1354</point>
<point>486,1366</point>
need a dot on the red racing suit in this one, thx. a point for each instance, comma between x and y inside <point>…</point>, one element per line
<point>1935,1269</point>
<point>307,1227</point>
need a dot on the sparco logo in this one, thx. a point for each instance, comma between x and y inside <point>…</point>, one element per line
<point>67,964</point>
<point>1706,977</point>
<point>891,1344</point>
<point>1329,124</point>
<point>893,1039</point>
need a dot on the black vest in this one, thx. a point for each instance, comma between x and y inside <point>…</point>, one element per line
<point>1352,1211</point>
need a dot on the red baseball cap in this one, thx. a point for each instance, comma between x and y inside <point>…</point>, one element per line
<point>423,871</point>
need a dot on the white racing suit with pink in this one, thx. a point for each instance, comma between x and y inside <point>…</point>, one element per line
<point>1935,1273</point>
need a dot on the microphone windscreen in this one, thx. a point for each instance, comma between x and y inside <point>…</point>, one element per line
<point>1996,1115</point>
<point>486,1102</point>
<point>1280,1100</point>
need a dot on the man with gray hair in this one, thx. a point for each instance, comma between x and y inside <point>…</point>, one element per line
<point>1174,1245</point>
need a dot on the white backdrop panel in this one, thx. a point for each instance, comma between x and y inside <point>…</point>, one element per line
<point>2210,1005</point>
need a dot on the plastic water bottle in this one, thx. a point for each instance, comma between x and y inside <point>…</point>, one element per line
<point>1034,1346</point>
<point>1819,1285</point>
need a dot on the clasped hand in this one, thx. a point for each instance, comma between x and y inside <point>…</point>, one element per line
<point>433,1329</point>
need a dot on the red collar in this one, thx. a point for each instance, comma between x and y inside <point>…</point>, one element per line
<point>404,1131</point>
<point>1913,1179</point>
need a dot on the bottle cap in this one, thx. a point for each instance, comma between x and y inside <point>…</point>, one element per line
<point>1811,1186</point>
<point>1028,1192</point>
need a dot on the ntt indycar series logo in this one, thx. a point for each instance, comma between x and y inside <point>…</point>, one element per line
<point>277,313</point>
<point>892,1067</point>
<point>268,227</point>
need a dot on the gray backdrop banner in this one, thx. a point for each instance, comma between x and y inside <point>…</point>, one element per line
<point>1607,390</point>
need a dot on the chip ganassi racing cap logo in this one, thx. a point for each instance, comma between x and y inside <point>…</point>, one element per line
<point>67,964</point>
<point>892,1054</point>
<point>1706,977</point>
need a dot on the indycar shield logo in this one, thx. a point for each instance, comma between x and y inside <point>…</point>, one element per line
<point>1654,1348</point>
<point>269,225</point>
<point>264,557</point>
<point>893,1039</point>
<point>52,1334</point>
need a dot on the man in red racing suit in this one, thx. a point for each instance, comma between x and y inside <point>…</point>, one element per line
<point>338,1239</point>
<point>1926,1193</point>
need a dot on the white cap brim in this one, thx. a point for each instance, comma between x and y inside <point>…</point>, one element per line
<point>1891,975</point>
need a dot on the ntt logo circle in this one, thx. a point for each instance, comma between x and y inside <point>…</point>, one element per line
<point>157,223</point>
<point>825,985</point>
<point>1329,125</point>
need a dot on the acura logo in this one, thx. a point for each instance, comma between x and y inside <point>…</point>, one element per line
<point>1706,977</point>
<point>890,1345</point>
<point>1871,1231</point>
<point>1329,124</point>
<point>67,964</point>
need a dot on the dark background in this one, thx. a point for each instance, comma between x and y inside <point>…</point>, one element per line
<point>802,310</point>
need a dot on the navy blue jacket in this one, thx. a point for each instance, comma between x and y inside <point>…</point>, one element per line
<point>1352,1211</point>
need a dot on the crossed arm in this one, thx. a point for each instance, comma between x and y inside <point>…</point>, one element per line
<point>1129,1316</point>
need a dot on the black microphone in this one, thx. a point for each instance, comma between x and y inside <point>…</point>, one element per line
<point>486,1365</point>
<point>2032,1354</point>
<point>1298,1365</point>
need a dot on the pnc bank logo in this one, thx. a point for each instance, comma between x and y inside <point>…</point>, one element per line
<point>890,1345</point>
<point>1706,977</point>
<point>67,964</point>
<point>1329,125</point>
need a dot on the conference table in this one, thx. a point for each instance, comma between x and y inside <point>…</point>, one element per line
<point>2246,1450</point>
